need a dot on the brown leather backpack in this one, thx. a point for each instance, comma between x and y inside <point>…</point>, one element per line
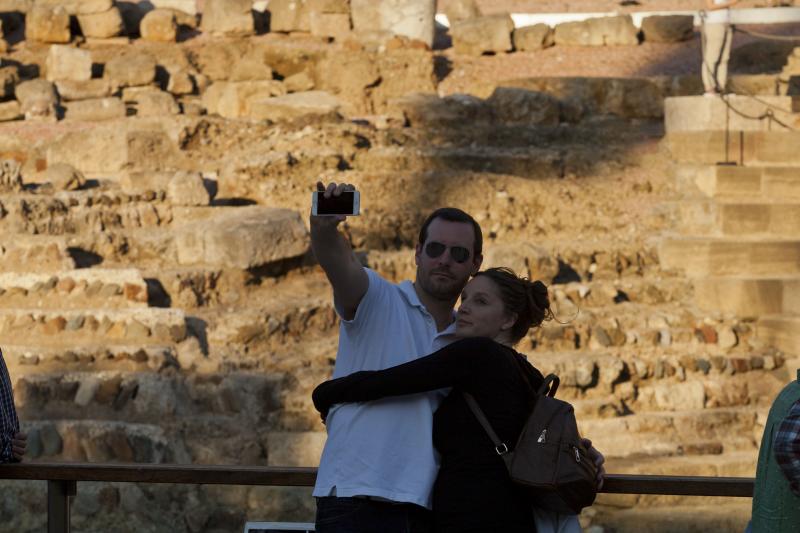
<point>548,459</point>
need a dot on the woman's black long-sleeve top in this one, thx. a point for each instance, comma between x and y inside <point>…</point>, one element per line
<point>473,491</point>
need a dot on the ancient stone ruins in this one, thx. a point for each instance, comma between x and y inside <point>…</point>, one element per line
<point>159,303</point>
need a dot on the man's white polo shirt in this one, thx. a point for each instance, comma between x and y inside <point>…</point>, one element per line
<point>383,448</point>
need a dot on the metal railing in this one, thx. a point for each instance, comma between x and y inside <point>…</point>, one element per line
<point>62,481</point>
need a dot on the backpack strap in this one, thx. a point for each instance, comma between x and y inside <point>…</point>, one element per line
<point>500,447</point>
<point>549,386</point>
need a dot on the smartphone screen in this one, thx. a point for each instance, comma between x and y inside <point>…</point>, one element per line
<point>337,205</point>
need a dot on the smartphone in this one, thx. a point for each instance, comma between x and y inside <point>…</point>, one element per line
<point>348,203</point>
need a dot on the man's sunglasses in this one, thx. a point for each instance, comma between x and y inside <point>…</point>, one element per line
<point>434,249</point>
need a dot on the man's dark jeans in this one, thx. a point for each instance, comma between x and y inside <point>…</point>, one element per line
<point>362,515</point>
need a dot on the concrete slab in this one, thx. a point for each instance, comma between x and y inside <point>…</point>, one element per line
<point>700,257</point>
<point>750,148</point>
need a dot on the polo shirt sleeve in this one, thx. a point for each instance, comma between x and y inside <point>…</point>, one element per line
<point>371,305</point>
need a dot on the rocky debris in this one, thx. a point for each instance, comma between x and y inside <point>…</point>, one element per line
<point>38,99</point>
<point>67,63</point>
<point>64,177</point>
<point>302,105</point>
<point>95,109</point>
<point>9,77</point>
<point>188,188</point>
<point>152,102</point>
<point>181,83</point>
<point>532,38</point>
<point>668,29</point>
<point>243,238</point>
<point>131,70</point>
<point>410,18</point>
<point>47,24</point>
<point>228,17</point>
<point>518,106</point>
<point>489,34</point>
<point>602,31</point>
<point>10,176</point>
<point>159,25</point>
<point>101,24</point>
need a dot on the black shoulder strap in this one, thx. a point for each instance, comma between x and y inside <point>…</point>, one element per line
<point>549,386</point>
<point>499,446</point>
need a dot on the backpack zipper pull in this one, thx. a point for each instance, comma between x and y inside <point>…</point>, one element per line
<point>577,454</point>
<point>543,437</point>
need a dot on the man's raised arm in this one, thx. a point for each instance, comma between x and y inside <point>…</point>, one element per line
<point>336,257</point>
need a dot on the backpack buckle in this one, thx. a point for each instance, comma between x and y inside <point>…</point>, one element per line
<point>501,449</point>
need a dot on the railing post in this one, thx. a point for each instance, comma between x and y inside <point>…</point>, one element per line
<point>58,500</point>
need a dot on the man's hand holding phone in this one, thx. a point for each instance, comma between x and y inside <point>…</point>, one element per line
<point>333,204</point>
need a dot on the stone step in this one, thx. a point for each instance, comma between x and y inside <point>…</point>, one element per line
<point>698,113</point>
<point>75,289</point>
<point>781,331</point>
<point>734,218</point>
<point>750,148</point>
<point>746,182</point>
<point>749,297</point>
<point>666,433</point>
<point>49,254</point>
<point>75,327</point>
<point>32,359</point>
<point>709,256</point>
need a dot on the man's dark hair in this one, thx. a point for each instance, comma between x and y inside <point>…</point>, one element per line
<point>453,214</point>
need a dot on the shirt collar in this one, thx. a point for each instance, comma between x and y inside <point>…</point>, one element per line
<point>412,299</point>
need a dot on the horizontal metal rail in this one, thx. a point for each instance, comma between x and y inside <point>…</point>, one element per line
<point>62,481</point>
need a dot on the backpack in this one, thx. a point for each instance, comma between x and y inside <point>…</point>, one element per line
<point>549,460</point>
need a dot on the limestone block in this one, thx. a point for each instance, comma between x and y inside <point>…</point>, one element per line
<point>251,67</point>
<point>47,24</point>
<point>86,391</point>
<point>518,106</point>
<point>232,99</point>
<point>51,440</point>
<point>483,34</point>
<point>458,10</point>
<point>38,99</point>
<point>299,82</point>
<point>70,90</point>
<point>524,258</point>
<point>96,109</point>
<point>180,83</point>
<point>78,7</point>
<point>329,6</point>
<point>187,188</point>
<point>412,18</point>
<point>311,104</point>
<point>228,17</point>
<point>601,31</point>
<point>130,70</point>
<point>115,147</point>
<point>531,38</point>
<point>159,25</point>
<point>102,25</point>
<point>10,176</point>
<point>668,29</point>
<point>335,25</point>
<point>10,111</point>
<point>419,109</point>
<point>184,6</point>
<point>289,15</point>
<point>9,77</point>
<point>243,237</point>
<point>68,63</point>
<point>64,177</point>
<point>156,103</point>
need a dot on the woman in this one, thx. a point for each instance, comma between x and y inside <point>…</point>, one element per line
<point>473,491</point>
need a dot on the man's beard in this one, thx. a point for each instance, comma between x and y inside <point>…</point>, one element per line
<point>448,290</point>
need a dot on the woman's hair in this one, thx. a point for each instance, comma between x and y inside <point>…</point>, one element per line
<point>527,299</point>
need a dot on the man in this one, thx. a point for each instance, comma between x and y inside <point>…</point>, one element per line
<point>776,498</point>
<point>378,467</point>
<point>12,441</point>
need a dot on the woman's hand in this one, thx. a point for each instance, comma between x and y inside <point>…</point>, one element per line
<point>598,459</point>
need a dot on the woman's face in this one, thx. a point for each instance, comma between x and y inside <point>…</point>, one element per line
<point>481,313</point>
